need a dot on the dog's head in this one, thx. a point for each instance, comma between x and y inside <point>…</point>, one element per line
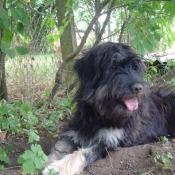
<point>111,77</point>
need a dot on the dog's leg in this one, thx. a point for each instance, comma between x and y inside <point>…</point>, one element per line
<point>73,164</point>
<point>61,148</point>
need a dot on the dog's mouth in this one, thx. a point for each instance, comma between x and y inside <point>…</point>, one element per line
<point>131,103</point>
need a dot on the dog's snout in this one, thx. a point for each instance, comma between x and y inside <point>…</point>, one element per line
<point>137,88</point>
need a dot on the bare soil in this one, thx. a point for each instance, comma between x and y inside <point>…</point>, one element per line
<point>123,161</point>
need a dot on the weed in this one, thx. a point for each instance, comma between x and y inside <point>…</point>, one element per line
<point>164,159</point>
<point>164,139</point>
<point>3,155</point>
<point>18,117</point>
<point>156,69</point>
<point>156,158</point>
<point>33,159</point>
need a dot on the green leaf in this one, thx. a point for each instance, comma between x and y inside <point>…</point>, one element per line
<point>3,14</point>
<point>1,167</point>
<point>156,158</point>
<point>22,50</point>
<point>9,1</point>
<point>131,28</point>
<point>32,159</point>
<point>40,103</point>
<point>4,123</point>
<point>164,139</point>
<point>51,23</point>
<point>16,13</point>
<point>151,40</point>
<point>7,37</point>
<point>4,157</point>
<point>140,49</point>
<point>151,62</point>
<point>135,42</point>
<point>29,166</point>
<point>24,18</point>
<point>11,53</point>
<point>13,124</point>
<point>19,14</point>
<point>3,110</point>
<point>154,69</point>
<point>20,29</point>
<point>147,45</point>
<point>53,117</point>
<point>7,23</point>
<point>166,158</point>
<point>167,165</point>
<point>33,136</point>
<point>4,47</point>
<point>9,148</point>
<point>141,10</point>
<point>157,36</point>
<point>2,26</point>
<point>47,3</point>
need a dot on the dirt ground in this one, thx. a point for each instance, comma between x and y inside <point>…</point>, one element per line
<point>124,161</point>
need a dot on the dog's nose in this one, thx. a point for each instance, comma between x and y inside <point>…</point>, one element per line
<point>137,88</point>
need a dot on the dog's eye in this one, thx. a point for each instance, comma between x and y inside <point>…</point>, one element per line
<point>135,67</point>
<point>114,64</point>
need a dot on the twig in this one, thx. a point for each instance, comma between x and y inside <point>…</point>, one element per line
<point>75,53</point>
<point>105,24</point>
<point>110,159</point>
<point>30,7</point>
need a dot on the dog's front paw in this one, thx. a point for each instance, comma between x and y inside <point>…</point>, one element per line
<point>71,164</point>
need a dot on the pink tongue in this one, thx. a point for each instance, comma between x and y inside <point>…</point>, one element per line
<point>131,103</point>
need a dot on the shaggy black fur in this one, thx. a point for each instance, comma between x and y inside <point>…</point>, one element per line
<point>115,106</point>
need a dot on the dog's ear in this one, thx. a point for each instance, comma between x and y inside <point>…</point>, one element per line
<point>85,69</point>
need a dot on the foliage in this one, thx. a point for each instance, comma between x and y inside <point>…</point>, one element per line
<point>155,71</point>
<point>16,117</point>
<point>145,24</point>
<point>33,159</point>
<point>13,21</point>
<point>3,155</point>
<point>164,159</point>
<point>164,139</point>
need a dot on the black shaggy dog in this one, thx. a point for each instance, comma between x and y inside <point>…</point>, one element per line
<point>115,108</point>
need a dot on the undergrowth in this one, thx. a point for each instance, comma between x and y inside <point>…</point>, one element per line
<point>19,118</point>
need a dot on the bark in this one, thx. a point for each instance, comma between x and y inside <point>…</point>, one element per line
<point>122,31</point>
<point>68,38</point>
<point>3,86</point>
<point>75,53</point>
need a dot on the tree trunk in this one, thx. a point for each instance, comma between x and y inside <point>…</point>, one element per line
<point>3,86</point>
<point>68,38</point>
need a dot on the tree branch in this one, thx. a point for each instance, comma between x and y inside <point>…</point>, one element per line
<point>75,53</point>
<point>105,24</point>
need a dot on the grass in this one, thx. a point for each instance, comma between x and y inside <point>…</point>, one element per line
<point>31,77</point>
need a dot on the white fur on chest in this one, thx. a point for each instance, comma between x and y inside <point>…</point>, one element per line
<point>111,137</point>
